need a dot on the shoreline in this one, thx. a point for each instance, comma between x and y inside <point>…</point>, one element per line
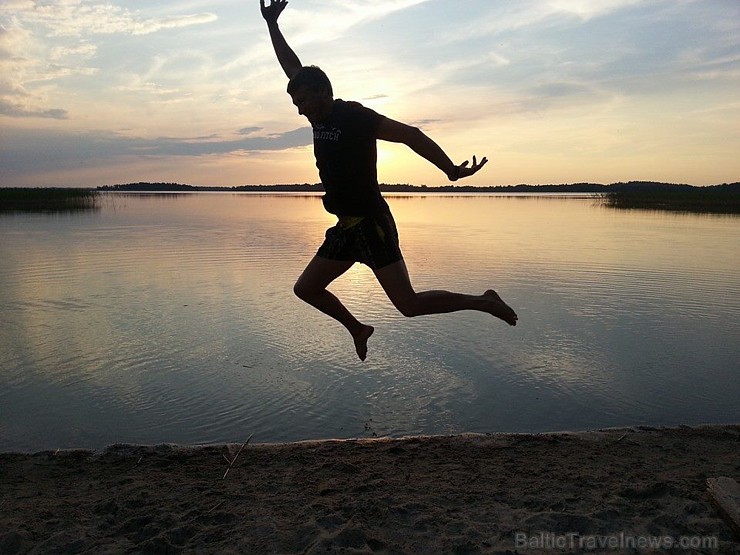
<point>316,442</point>
<point>467,493</point>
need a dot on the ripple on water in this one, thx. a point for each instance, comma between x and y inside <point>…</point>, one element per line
<point>174,320</point>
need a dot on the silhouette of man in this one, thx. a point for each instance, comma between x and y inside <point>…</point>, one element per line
<point>344,137</point>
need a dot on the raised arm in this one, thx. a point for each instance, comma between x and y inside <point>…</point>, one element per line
<point>285,55</point>
<point>425,147</point>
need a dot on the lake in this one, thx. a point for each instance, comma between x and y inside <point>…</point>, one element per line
<point>171,318</point>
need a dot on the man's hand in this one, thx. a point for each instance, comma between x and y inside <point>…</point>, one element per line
<point>463,170</point>
<point>273,11</point>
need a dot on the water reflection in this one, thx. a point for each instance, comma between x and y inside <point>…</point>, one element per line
<point>172,319</point>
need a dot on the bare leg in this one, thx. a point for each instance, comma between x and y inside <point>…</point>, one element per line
<point>395,281</point>
<point>311,287</point>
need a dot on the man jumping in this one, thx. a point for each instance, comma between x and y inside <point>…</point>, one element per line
<point>344,135</point>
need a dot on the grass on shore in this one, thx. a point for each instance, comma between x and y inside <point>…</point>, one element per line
<point>47,199</point>
<point>710,200</point>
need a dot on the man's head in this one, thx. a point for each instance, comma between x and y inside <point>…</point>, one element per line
<point>311,77</point>
<point>312,94</point>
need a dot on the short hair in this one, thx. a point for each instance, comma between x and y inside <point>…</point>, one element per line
<point>311,77</point>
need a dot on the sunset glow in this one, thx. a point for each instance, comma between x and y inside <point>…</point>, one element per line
<point>94,92</point>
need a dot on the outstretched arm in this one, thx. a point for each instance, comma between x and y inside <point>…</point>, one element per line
<point>285,55</point>
<point>425,147</point>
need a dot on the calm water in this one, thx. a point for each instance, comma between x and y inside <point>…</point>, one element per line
<point>172,319</point>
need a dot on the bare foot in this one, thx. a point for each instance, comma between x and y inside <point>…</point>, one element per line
<point>500,309</point>
<point>361,340</point>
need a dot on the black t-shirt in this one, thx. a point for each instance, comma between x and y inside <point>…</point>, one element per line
<point>346,156</point>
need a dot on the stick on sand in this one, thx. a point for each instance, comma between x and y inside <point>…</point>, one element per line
<point>231,463</point>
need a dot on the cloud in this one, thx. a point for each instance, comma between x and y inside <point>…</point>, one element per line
<point>504,17</point>
<point>149,26</point>
<point>83,51</point>
<point>12,40</point>
<point>588,9</point>
<point>79,18</point>
<point>301,26</point>
<point>68,150</point>
<point>43,42</point>
<point>249,130</point>
<point>424,122</point>
<point>15,111</point>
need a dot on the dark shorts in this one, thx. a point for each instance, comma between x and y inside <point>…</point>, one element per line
<point>372,241</point>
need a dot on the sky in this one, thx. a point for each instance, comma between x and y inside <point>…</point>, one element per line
<point>96,92</point>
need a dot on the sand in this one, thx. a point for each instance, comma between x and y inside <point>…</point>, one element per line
<point>450,494</point>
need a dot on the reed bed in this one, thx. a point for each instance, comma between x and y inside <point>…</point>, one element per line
<point>40,199</point>
<point>715,200</point>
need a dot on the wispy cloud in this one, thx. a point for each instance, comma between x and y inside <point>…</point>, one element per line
<point>79,18</point>
<point>588,9</point>
<point>43,42</point>
<point>343,15</point>
<point>505,17</point>
<point>19,111</point>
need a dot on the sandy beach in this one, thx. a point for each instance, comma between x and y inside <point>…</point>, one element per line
<point>600,491</point>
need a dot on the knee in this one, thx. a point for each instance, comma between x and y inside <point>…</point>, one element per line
<point>301,290</point>
<point>408,307</point>
<point>306,291</point>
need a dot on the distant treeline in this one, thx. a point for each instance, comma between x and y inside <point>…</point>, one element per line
<point>632,186</point>
<point>651,195</point>
<point>180,188</point>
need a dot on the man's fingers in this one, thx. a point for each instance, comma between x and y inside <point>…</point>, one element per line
<point>275,5</point>
<point>481,164</point>
<point>464,171</point>
<point>482,161</point>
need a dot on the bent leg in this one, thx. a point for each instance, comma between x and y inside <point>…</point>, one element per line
<point>311,288</point>
<point>395,281</point>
